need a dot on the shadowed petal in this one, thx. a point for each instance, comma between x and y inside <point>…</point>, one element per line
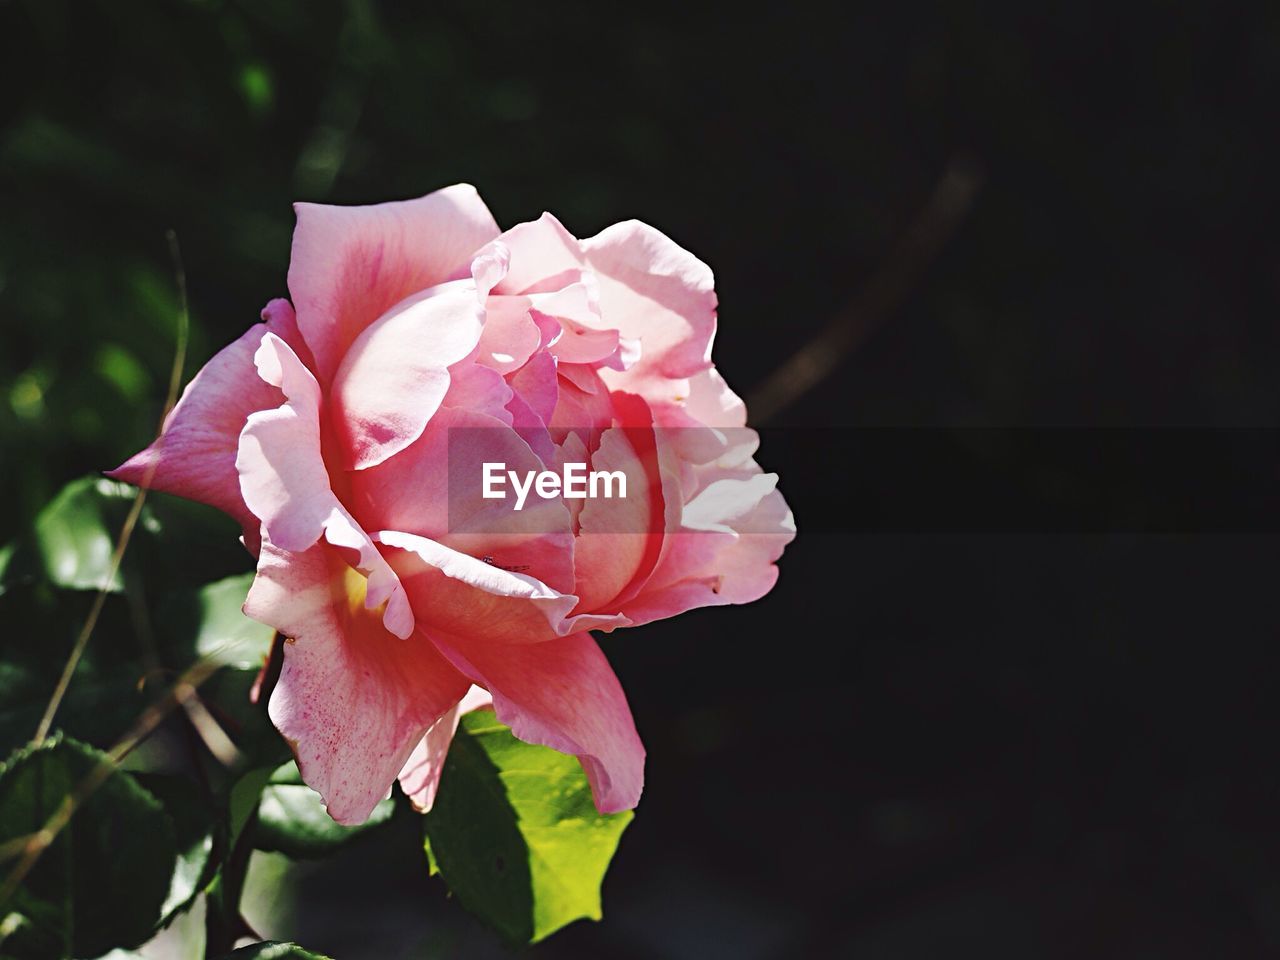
<point>420,778</point>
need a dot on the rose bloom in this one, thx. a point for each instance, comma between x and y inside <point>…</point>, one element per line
<point>325,429</point>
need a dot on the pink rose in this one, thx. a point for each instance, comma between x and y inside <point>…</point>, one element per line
<point>325,429</point>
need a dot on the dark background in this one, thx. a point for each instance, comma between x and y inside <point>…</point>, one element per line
<point>1046,743</point>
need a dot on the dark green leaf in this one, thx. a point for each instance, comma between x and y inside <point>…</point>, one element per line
<point>272,950</point>
<point>515,833</point>
<point>194,821</point>
<point>258,741</point>
<point>246,793</point>
<point>292,819</point>
<point>103,881</point>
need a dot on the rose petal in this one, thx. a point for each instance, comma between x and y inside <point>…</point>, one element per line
<point>654,290</point>
<point>396,372</point>
<point>456,592</point>
<point>420,778</point>
<point>562,694</point>
<point>351,264</point>
<point>195,456</point>
<point>352,699</point>
<point>285,483</point>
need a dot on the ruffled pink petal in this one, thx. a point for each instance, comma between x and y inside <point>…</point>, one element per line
<point>195,457</point>
<point>285,483</point>
<point>456,592</point>
<point>733,533</point>
<point>653,290</point>
<point>510,334</point>
<point>420,778</point>
<point>351,264</point>
<point>562,694</point>
<point>396,373</point>
<point>352,700</point>
<point>545,257</point>
<point>478,388</point>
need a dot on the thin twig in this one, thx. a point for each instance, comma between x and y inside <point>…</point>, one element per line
<point>950,202</point>
<point>135,511</point>
<point>35,844</point>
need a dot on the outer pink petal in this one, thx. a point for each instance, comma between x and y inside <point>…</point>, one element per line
<point>195,457</point>
<point>352,699</point>
<point>420,778</point>
<point>351,264</point>
<point>562,694</point>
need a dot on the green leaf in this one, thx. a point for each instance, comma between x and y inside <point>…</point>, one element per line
<point>226,635</point>
<point>292,819</point>
<point>246,793</point>
<point>7,572</point>
<point>515,833</point>
<point>208,624</point>
<point>258,741</point>
<point>102,883</point>
<point>75,534</point>
<point>273,950</point>
<point>194,821</point>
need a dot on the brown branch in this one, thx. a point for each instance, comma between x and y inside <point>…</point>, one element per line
<point>928,233</point>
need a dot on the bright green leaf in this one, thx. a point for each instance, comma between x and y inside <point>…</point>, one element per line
<point>292,819</point>
<point>515,833</point>
<point>272,950</point>
<point>6,561</point>
<point>75,534</point>
<point>209,623</point>
<point>102,882</point>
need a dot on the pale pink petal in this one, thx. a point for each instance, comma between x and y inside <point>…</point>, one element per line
<point>195,457</point>
<point>578,343</point>
<point>653,290</point>
<point>562,694</point>
<point>478,388</point>
<point>536,392</point>
<point>734,531</point>
<point>396,372</point>
<point>282,475</point>
<point>351,264</point>
<point>352,700</point>
<point>453,591</point>
<point>510,334</point>
<point>545,257</point>
<point>420,778</point>
<point>285,483</point>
